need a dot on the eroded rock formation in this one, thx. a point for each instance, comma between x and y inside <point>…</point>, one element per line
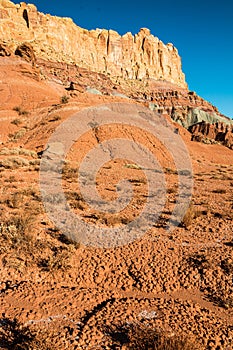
<point>209,133</point>
<point>138,67</point>
<point>60,39</point>
<point>26,52</point>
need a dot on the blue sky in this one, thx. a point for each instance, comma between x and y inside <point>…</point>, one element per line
<point>201,30</point>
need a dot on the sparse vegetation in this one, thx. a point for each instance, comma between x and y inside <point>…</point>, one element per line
<point>14,201</point>
<point>13,163</point>
<point>70,173</point>
<point>16,230</point>
<point>199,261</point>
<point>206,265</point>
<point>138,181</point>
<point>221,300</point>
<point>171,190</point>
<point>135,280</point>
<point>16,121</point>
<point>18,151</point>
<point>76,200</point>
<point>16,237</point>
<point>10,179</point>
<point>64,99</point>
<point>189,216</point>
<point>20,111</point>
<point>59,260</point>
<point>27,200</point>
<point>18,135</point>
<point>170,171</point>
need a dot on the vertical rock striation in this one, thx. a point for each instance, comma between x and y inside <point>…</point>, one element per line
<point>58,39</point>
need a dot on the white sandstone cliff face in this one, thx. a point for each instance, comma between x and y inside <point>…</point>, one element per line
<point>59,39</point>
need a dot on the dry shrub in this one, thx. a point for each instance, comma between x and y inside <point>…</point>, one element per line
<point>64,99</point>
<point>170,171</point>
<point>200,262</point>
<point>70,173</point>
<point>27,200</point>
<point>205,265</point>
<point>13,163</point>
<point>16,122</point>
<point>18,225</point>
<point>10,179</point>
<point>17,135</point>
<point>75,199</point>
<point>59,260</point>
<point>18,151</point>
<point>15,200</point>
<point>54,232</point>
<point>189,216</point>
<point>15,233</point>
<point>171,190</point>
<point>20,111</point>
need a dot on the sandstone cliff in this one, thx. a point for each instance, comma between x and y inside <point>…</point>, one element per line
<point>105,51</point>
<point>138,67</point>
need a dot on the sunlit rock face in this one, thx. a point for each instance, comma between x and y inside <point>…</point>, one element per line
<point>60,39</point>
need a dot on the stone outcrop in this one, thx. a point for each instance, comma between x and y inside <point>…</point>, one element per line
<point>26,52</point>
<point>139,67</point>
<point>132,57</point>
<point>217,132</point>
<point>188,116</point>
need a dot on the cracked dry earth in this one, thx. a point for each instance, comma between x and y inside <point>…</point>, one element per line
<point>58,294</point>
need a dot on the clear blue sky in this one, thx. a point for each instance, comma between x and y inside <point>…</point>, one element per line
<point>202,30</point>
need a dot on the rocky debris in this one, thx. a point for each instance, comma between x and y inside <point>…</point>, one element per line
<point>26,52</point>
<point>209,133</point>
<point>76,79</point>
<point>140,56</point>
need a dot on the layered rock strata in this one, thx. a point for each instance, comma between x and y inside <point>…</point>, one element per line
<point>61,40</point>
